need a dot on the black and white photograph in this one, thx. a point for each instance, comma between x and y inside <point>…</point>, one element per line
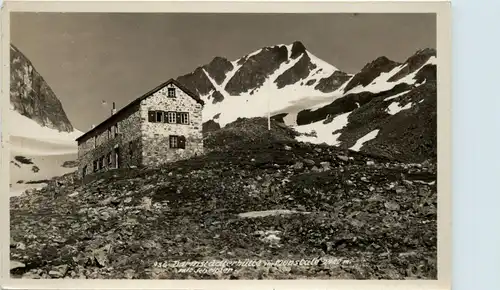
<point>223,146</point>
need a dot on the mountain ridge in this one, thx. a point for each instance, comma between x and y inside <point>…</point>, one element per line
<point>312,96</point>
<point>31,96</point>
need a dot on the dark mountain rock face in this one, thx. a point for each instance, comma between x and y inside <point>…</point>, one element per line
<point>299,71</point>
<point>409,135</point>
<point>413,63</point>
<point>218,68</point>
<point>256,69</point>
<point>426,73</point>
<point>197,82</point>
<point>217,97</point>
<point>345,104</point>
<point>310,82</point>
<point>32,97</point>
<point>298,48</point>
<point>371,71</point>
<point>210,126</point>
<point>333,82</point>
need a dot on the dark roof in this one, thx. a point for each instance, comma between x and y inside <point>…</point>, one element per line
<point>138,100</point>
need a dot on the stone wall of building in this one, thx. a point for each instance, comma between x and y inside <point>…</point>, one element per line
<point>156,135</point>
<point>103,143</point>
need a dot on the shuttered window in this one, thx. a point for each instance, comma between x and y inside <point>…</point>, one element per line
<point>182,142</point>
<point>159,116</point>
<point>177,141</point>
<point>152,116</point>
<point>168,117</point>
<point>131,149</point>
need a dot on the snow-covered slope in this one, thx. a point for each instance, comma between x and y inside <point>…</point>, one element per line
<point>269,79</point>
<point>40,137</point>
<point>388,108</point>
<point>320,101</point>
<point>37,153</point>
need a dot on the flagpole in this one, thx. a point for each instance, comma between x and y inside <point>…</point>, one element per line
<point>269,112</point>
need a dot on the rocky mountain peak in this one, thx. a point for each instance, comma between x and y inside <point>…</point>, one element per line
<point>380,62</point>
<point>197,82</point>
<point>298,48</point>
<point>414,62</point>
<point>256,69</point>
<point>218,68</point>
<point>31,96</point>
<point>371,71</point>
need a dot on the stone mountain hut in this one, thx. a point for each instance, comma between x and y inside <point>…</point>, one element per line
<point>161,126</point>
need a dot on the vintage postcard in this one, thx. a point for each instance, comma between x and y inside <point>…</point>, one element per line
<point>174,142</point>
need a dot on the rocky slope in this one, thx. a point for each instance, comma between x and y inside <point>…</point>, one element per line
<point>388,109</point>
<point>32,97</point>
<point>262,197</point>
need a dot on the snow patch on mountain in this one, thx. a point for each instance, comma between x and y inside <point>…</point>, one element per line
<point>319,132</point>
<point>329,98</point>
<point>37,153</point>
<point>395,108</point>
<point>361,141</point>
<point>382,83</point>
<point>396,96</point>
<point>27,136</point>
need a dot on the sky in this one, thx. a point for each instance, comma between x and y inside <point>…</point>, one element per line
<point>90,57</point>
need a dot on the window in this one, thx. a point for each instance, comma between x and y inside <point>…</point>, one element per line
<point>103,163</point>
<point>109,133</point>
<point>171,117</point>
<point>110,162</point>
<point>159,116</point>
<point>130,149</point>
<point>116,132</point>
<point>96,166</point>
<point>152,116</point>
<point>171,92</point>
<point>182,142</point>
<point>174,141</point>
<point>117,157</point>
<point>84,171</point>
<point>95,141</point>
<point>177,142</point>
<point>183,118</point>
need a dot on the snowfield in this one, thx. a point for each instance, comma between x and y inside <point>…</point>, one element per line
<point>361,141</point>
<point>45,151</point>
<point>324,132</point>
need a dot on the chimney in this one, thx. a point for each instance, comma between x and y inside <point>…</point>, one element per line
<point>113,111</point>
<point>92,127</point>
